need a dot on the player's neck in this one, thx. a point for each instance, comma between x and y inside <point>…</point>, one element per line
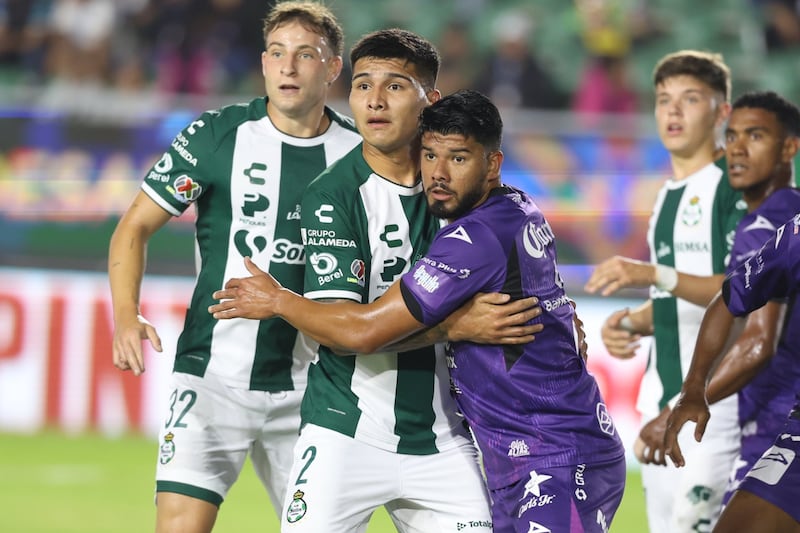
<point>684,165</point>
<point>303,126</point>
<point>398,166</point>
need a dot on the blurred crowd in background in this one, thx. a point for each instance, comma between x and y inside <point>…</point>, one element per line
<point>589,56</point>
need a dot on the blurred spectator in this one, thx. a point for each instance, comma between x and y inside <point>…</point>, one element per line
<point>80,38</point>
<point>23,32</point>
<point>781,22</point>
<point>511,75</point>
<point>458,67</point>
<point>604,86</point>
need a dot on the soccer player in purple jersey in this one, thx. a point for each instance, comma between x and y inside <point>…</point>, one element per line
<point>766,501</point>
<point>761,142</point>
<point>552,456</point>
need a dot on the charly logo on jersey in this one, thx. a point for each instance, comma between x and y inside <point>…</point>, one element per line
<point>167,449</point>
<point>535,239</point>
<point>604,419</point>
<point>692,213</point>
<point>358,271</point>
<point>256,173</point>
<point>297,507</point>
<point>387,236</point>
<point>518,448</point>
<point>323,213</point>
<point>185,189</point>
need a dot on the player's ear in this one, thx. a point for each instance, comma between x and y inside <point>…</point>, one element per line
<point>434,95</point>
<point>791,145</point>
<point>334,69</point>
<point>495,160</point>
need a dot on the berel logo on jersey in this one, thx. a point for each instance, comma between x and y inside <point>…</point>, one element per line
<point>164,164</point>
<point>323,263</point>
<point>185,189</point>
<point>321,213</point>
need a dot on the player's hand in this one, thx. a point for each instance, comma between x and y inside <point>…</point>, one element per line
<point>127,345</point>
<point>493,319</point>
<point>692,405</point>
<point>620,342</point>
<point>652,440</point>
<point>254,297</point>
<point>619,273</point>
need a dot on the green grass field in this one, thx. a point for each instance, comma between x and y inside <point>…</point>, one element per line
<point>52,483</point>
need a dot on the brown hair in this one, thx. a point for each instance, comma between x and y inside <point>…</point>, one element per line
<point>707,67</point>
<point>312,16</point>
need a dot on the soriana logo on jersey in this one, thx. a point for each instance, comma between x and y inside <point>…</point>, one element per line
<point>185,189</point>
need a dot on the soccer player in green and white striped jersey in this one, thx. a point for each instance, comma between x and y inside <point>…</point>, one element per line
<point>690,237</point>
<point>236,385</point>
<point>379,429</point>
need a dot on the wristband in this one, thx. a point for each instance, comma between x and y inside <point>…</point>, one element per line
<point>666,278</point>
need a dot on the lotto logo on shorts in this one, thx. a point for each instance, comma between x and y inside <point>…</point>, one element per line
<point>297,509</point>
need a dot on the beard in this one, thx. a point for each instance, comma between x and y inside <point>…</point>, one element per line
<point>463,204</point>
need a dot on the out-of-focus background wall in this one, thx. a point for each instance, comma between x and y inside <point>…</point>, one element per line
<point>93,91</point>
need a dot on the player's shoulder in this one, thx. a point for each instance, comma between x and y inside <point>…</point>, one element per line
<point>215,125</point>
<point>343,175</point>
<point>341,120</point>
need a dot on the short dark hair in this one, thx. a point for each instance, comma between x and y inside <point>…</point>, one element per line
<point>785,111</point>
<point>312,16</point>
<point>468,113</point>
<point>708,67</point>
<point>395,43</point>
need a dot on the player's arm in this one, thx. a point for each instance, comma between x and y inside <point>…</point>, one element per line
<point>344,326</point>
<point>715,330</point>
<point>622,272</point>
<point>126,264</point>
<point>751,351</point>
<point>487,318</point>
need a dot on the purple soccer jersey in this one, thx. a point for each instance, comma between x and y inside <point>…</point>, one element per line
<point>765,401</point>
<point>533,406</point>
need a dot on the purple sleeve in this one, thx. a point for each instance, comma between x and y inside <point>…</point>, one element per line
<point>462,261</point>
<point>771,273</point>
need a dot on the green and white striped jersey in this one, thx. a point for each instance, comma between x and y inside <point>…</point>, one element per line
<point>691,229</point>
<point>246,179</point>
<point>361,233</point>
